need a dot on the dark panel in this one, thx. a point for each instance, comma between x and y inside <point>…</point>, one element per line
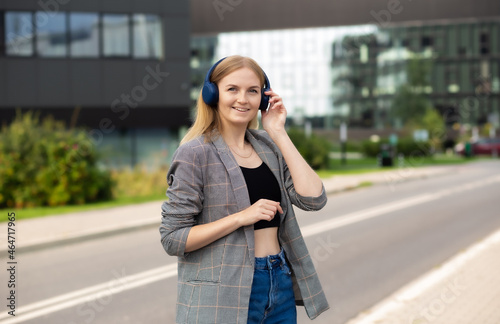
<point>83,6</point>
<point>105,118</point>
<point>224,16</point>
<point>54,82</point>
<point>175,42</point>
<point>116,79</point>
<point>147,6</point>
<point>175,7</point>
<point>86,83</point>
<point>22,87</point>
<point>148,85</point>
<point>177,85</point>
<point>20,5</point>
<point>117,6</point>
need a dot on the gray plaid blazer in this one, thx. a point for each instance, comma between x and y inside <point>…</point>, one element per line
<point>214,282</point>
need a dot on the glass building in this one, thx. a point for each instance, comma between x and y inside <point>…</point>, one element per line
<point>296,61</point>
<point>463,81</point>
<point>332,74</point>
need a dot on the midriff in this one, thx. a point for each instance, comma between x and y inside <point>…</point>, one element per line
<point>266,242</point>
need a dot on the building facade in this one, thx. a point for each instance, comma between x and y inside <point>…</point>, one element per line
<point>327,75</point>
<point>462,81</point>
<point>118,68</point>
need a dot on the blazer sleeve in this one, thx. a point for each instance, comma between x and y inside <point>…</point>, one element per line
<point>303,202</point>
<point>185,200</point>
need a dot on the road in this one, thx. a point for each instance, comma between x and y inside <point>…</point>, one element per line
<point>366,244</point>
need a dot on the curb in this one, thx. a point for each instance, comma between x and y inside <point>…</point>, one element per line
<point>47,243</point>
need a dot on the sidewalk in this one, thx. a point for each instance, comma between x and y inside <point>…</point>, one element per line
<point>38,233</point>
<point>465,290</point>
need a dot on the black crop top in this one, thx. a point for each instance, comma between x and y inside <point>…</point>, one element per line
<point>262,183</point>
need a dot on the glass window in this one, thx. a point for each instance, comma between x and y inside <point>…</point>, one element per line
<point>116,35</point>
<point>452,43</point>
<point>484,47</point>
<point>147,36</point>
<point>495,36</point>
<point>51,34</point>
<point>18,33</point>
<point>84,34</point>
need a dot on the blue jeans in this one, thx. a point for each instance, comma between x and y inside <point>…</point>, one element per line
<point>272,299</point>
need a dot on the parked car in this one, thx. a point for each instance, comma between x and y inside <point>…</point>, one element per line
<point>483,146</point>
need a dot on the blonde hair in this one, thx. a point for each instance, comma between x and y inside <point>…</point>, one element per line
<point>207,117</point>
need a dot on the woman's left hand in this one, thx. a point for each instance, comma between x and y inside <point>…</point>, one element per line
<point>274,118</point>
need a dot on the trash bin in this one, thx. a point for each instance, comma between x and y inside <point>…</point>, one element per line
<point>468,149</point>
<point>386,156</point>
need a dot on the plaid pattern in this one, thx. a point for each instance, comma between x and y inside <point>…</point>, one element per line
<point>206,184</point>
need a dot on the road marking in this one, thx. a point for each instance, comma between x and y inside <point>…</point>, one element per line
<point>74,298</point>
<point>381,312</point>
<point>77,297</point>
<point>365,214</point>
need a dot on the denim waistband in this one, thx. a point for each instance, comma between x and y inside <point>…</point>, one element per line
<point>270,261</point>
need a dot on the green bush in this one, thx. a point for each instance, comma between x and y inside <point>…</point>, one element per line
<point>409,147</point>
<point>406,146</point>
<point>42,163</point>
<point>372,149</point>
<point>350,146</point>
<point>314,149</point>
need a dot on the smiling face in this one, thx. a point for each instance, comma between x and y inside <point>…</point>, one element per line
<point>239,98</point>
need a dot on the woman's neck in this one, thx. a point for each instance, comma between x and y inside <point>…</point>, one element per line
<point>234,137</point>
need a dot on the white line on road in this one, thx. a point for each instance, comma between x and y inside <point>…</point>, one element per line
<point>395,304</point>
<point>119,285</point>
<point>389,207</point>
<point>103,290</point>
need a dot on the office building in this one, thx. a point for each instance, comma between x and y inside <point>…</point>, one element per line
<point>118,68</point>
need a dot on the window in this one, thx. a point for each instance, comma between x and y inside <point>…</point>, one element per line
<point>116,35</point>
<point>427,41</point>
<point>81,34</point>
<point>451,78</point>
<point>84,34</point>
<point>51,34</point>
<point>484,45</point>
<point>147,36</point>
<point>18,34</point>
<point>2,34</point>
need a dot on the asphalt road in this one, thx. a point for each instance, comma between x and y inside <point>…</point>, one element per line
<point>369,243</point>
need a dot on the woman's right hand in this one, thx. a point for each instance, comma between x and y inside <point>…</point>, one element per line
<point>263,209</point>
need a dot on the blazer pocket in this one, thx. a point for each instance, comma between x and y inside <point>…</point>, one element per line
<point>203,304</point>
<point>210,263</point>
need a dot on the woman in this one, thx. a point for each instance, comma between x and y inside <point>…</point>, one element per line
<point>229,217</point>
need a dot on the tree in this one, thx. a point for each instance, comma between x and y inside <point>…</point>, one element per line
<point>410,102</point>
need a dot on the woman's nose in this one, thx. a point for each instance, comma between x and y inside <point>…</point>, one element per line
<point>242,97</point>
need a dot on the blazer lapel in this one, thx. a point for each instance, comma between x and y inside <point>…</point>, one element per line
<point>270,157</point>
<point>239,188</point>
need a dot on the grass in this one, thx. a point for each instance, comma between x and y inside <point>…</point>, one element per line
<point>354,166</point>
<point>368,165</point>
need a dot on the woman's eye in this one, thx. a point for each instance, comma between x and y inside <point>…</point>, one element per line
<point>254,91</point>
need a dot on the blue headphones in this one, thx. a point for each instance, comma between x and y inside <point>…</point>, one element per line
<point>210,91</point>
